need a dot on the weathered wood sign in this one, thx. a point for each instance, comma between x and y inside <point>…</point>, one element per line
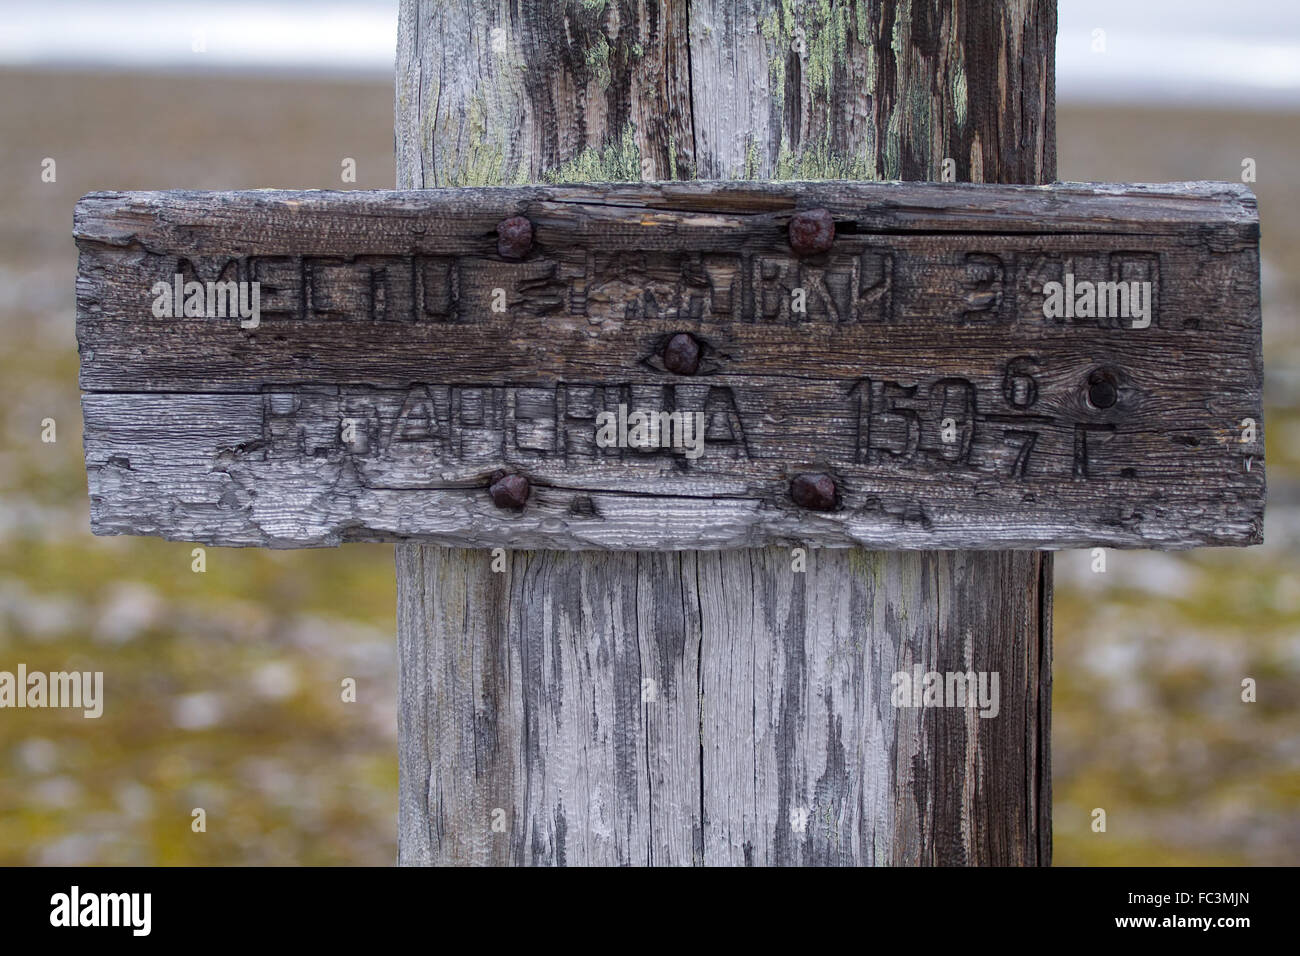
<point>683,365</point>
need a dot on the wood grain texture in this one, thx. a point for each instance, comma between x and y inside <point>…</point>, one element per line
<point>874,90</point>
<point>714,708</point>
<point>788,712</point>
<point>378,317</point>
<point>504,91</point>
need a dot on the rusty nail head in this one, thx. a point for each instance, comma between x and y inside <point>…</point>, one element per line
<point>812,232</point>
<point>815,492</point>
<point>508,491</point>
<point>514,237</point>
<point>682,354</point>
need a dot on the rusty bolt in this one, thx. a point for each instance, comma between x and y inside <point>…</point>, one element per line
<point>1102,390</point>
<point>514,237</point>
<point>682,354</point>
<point>812,231</point>
<point>814,492</point>
<point>508,491</point>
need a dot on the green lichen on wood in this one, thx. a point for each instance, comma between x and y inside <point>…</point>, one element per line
<point>597,59</point>
<point>752,159</point>
<point>867,566</point>
<point>826,38</point>
<point>481,158</point>
<point>862,22</point>
<point>957,88</point>
<point>902,14</point>
<point>770,27</point>
<point>819,33</point>
<point>871,73</point>
<point>819,161</point>
<point>484,162</point>
<point>617,162</point>
<point>752,167</point>
<point>427,128</point>
<point>404,96</point>
<point>917,109</point>
<point>891,155</point>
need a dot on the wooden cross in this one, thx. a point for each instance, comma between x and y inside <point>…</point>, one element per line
<point>667,369</point>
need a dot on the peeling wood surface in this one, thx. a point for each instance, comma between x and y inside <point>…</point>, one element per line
<point>399,362</point>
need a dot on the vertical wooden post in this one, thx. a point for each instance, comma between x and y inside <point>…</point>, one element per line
<point>721,707</point>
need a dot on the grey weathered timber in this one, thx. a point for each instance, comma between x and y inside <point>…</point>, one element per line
<point>492,92</point>
<point>521,690</point>
<point>381,389</point>
<point>713,707</point>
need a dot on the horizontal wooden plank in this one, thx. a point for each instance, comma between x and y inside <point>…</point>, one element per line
<point>397,362</point>
<point>676,215</point>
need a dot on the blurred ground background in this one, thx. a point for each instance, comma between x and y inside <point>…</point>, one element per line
<point>224,687</point>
